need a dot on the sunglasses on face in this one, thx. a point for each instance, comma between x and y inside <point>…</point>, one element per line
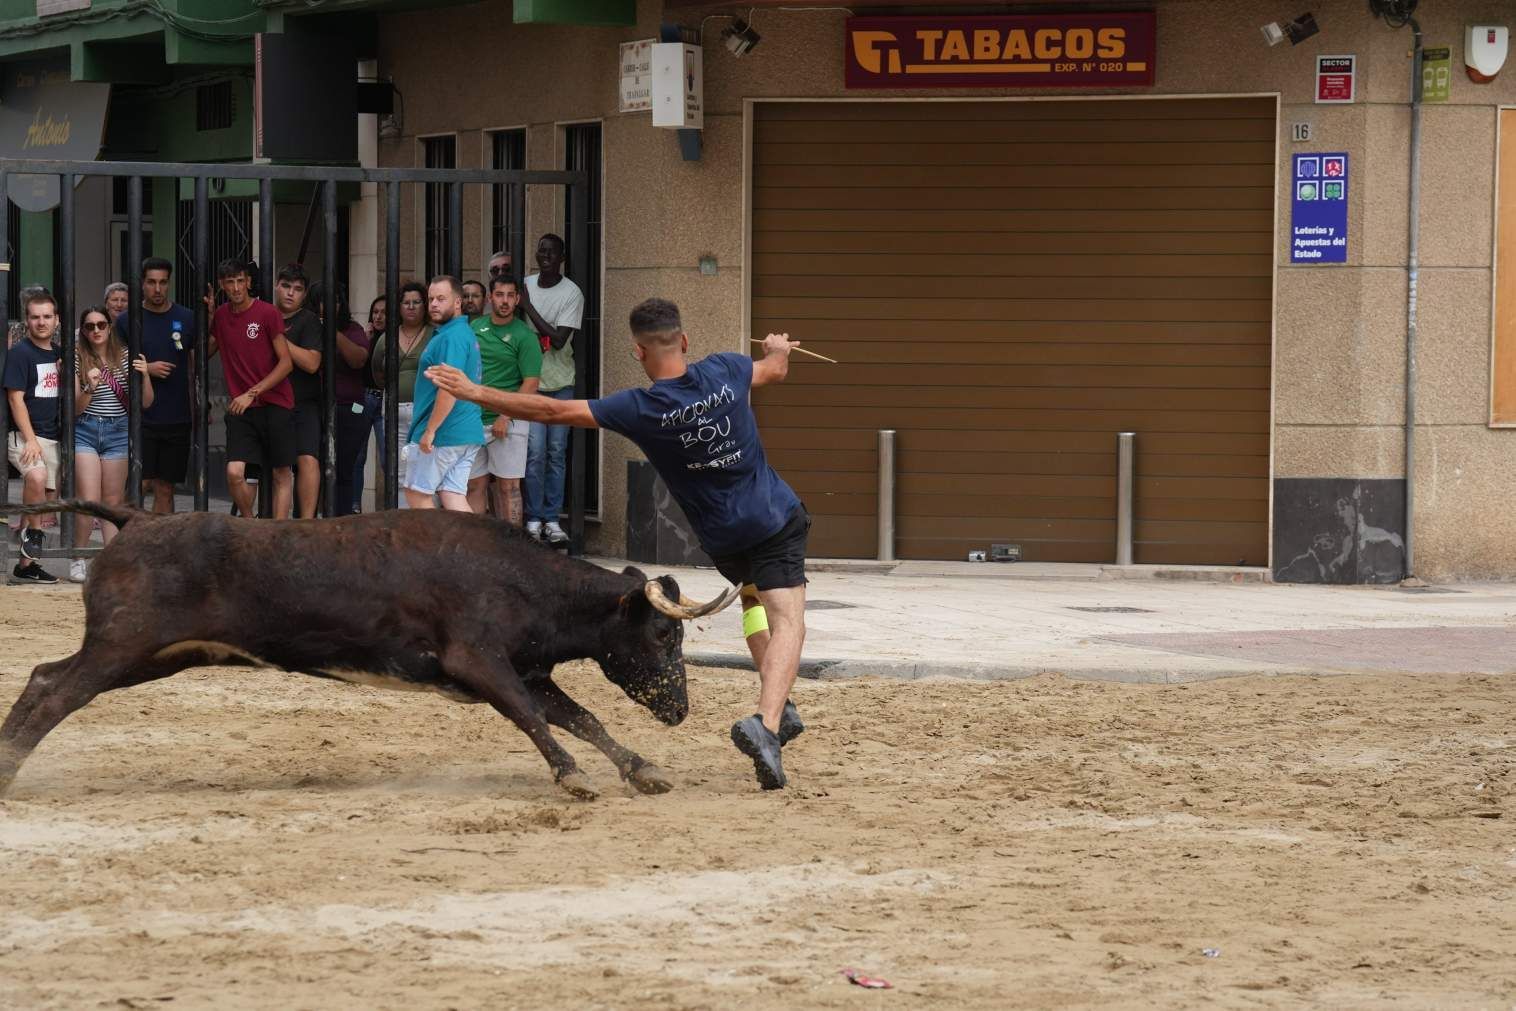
<point>497,271</point>
<point>97,325</point>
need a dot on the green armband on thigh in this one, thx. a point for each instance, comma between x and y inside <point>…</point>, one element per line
<point>754,620</point>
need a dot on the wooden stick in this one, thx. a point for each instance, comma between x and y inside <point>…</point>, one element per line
<point>804,352</point>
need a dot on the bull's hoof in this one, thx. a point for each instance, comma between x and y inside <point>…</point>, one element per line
<point>650,779</point>
<point>578,784</point>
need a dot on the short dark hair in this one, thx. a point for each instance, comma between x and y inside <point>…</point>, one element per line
<point>37,297</point>
<point>293,272</point>
<point>655,316</point>
<point>317,301</point>
<point>500,279</point>
<point>555,239</point>
<point>447,279</point>
<point>231,267</point>
<point>415,286</point>
<point>157,263</point>
<point>477,284</point>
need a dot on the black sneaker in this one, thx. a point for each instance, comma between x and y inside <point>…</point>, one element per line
<point>790,726</point>
<point>755,741</point>
<point>33,573</point>
<point>31,543</point>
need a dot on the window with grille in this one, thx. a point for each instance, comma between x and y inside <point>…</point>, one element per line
<point>214,106</point>
<point>507,152</point>
<point>438,152</point>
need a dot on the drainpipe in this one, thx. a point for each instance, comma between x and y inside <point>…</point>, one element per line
<point>1412,277</point>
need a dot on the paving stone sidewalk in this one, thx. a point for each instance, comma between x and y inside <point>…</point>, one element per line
<point>989,621</point>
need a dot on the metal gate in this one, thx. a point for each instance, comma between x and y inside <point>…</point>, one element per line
<point>451,182</point>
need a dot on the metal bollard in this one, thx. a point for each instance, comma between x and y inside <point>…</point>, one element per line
<point>886,494</point>
<point>1126,458</point>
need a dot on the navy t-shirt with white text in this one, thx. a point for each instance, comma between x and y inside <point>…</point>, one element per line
<point>699,432</point>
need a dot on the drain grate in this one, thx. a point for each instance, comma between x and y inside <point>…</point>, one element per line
<point>1113,610</point>
<point>827,605</point>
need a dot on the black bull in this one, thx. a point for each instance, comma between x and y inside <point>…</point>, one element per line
<point>422,600</point>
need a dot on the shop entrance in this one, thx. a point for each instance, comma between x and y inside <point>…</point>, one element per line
<point>1009,285</point>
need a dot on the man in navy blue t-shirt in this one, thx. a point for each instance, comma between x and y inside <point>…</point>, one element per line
<point>697,428</point>
<point>168,342</point>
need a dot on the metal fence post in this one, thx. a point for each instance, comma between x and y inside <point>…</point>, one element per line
<point>454,230</point>
<point>201,420</point>
<point>65,306</point>
<point>267,268</point>
<point>886,550</point>
<point>391,449</point>
<point>1126,457</point>
<point>579,237</point>
<point>134,338</point>
<point>329,351</point>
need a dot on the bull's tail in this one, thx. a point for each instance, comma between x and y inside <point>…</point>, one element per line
<point>119,515</point>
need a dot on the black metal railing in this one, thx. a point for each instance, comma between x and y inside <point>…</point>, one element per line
<point>328,178</point>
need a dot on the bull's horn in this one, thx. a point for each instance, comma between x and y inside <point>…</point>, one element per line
<point>686,609</point>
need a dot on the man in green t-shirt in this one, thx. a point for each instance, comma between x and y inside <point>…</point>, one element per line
<point>512,360</point>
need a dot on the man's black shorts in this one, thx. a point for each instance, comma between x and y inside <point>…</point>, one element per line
<point>262,435</point>
<point>307,421</point>
<point>165,452</point>
<point>773,564</point>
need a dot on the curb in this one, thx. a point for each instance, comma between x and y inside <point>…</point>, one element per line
<point>910,670</point>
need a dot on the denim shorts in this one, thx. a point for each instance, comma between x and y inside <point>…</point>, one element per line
<point>445,468</point>
<point>104,437</point>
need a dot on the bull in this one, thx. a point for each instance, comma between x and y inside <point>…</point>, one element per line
<point>419,600</point>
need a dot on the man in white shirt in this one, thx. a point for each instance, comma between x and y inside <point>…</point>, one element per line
<point>554,306</point>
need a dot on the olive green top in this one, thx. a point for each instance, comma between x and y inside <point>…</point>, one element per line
<point>409,362</point>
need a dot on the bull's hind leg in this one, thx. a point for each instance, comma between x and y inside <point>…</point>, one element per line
<point>562,711</point>
<point>59,688</point>
<point>55,690</point>
<point>495,681</point>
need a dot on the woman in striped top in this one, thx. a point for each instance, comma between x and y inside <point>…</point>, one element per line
<point>100,432</point>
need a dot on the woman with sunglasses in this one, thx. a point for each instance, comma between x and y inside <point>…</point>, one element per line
<point>100,432</point>
<point>412,334</point>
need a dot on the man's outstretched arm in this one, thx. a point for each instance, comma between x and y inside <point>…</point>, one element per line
<point>514,405</point>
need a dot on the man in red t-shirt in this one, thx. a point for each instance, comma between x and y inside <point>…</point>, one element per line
<point>260,429</point>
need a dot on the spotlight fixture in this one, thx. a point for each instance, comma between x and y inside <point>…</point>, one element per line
<point>739,37</point>
<point>1296,31</point>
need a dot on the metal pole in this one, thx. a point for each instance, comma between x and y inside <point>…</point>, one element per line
<point>201,421</point>
<point>516,234</point>
<point>454,230</point>
<point>266,271</point>
<point>329,352</point>
<point>579,237</point>
<point>1413,255</point>
<point>390,451</point>
<point>886,548</point>
<point>1126,458</point>
<point>5,271</point>
<point>134,338</point>
<point>65,297</point>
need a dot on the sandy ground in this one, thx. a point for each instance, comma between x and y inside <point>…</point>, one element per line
<point>247,839</point>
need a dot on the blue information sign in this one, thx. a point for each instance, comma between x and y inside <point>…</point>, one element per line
<point>1319,223</point>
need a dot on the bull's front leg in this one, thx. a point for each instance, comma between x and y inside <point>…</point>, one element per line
<point>562,711</point>
<point>495,681</point>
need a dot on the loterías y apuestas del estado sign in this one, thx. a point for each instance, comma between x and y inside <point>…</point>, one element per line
<point>1012,51</point>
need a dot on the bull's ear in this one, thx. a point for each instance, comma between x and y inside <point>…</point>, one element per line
<point>632,570</point>
<point>634,602</point>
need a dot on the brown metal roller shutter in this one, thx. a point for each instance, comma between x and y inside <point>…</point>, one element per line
<point>1008,285</point>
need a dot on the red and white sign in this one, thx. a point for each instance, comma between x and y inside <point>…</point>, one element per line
<point>1335,77</point>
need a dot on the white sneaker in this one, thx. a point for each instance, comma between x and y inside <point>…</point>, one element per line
<point>553,534</point>
<point>534,530</point>
<point>78,570</point>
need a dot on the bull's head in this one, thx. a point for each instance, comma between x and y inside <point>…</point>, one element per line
<point>643,647</point>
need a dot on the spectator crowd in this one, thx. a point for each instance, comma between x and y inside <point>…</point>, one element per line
<point>510,334</point>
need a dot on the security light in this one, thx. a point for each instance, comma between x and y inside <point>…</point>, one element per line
<point>1296,31</point>
<point>739,37</point>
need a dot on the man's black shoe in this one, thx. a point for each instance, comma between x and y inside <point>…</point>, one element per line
<point>756,741</point>
<point>790,726</point>
<point>31,543</point>
<point>33,573</point>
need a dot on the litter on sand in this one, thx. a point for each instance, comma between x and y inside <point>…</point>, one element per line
<point>857,978</point>
<point>1211,952</point>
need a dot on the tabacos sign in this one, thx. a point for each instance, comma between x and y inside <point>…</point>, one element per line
<point>1021,51</point>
